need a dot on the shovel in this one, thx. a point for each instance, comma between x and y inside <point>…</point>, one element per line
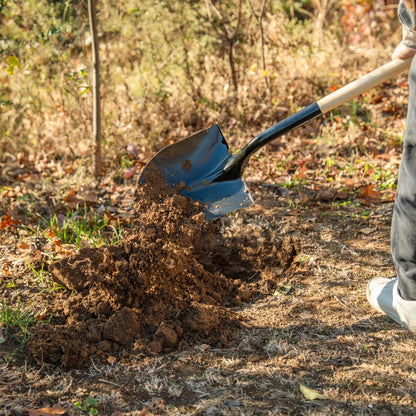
<point>207,172</point>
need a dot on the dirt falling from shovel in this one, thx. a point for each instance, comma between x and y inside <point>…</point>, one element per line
<point>172,283</point>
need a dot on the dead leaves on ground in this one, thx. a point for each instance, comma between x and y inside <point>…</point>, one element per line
<point>368,195</point>
<point>155,404</point>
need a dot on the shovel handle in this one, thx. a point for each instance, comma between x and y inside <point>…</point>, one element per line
<point>363,84</point>
<point>234,167</point>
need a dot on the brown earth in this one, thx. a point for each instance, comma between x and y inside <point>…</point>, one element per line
<point>171,284</point>
<point>307,324</point>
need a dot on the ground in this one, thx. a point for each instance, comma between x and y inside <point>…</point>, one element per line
<point>305,322</point>
<point>118,301</point>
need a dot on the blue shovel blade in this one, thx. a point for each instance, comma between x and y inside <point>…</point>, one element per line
<point>196,164</point>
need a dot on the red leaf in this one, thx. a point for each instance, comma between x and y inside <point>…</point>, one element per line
<point>368,192</point>
<point>7,222</point>
<point>70,196</point>
<point>6,270</point>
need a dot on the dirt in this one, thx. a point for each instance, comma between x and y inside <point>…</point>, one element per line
<point>171,284</point>
<point>303,267</point>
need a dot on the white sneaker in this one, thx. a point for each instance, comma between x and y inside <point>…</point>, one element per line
<point>383,295</point>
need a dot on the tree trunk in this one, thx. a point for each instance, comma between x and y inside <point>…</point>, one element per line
<point>96,114</point>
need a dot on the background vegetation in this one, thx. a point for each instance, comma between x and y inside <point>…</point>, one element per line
<point>168,69</point>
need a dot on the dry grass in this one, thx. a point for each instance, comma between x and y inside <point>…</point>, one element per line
<point>166,75</point>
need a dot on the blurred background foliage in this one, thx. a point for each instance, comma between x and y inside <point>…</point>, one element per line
<point>172,67</point>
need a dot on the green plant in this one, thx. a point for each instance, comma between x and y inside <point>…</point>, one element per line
<point>79,226</point>
<point>125,162</point>
<point>357,112</point>
<point>294,183</point>
<point>18,320</point>
<point>89,405</point>
<point>78,79</point>
<point>365,213</point>
<point>341,203</point>
<point>39,274</point>
<point>283,290</point>
<point>13,63</point>
<point>385,178</point>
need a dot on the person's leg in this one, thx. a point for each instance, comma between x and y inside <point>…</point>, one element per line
<point>403,228</point>
<point>397,297</point>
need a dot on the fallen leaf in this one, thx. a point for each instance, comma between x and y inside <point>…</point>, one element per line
<point>7,222</point>
<point>46,411</point>
<point>368,192</point>
<point>6,270</point>
<point>311,394</point>
<point>111,360</point>
<point>389,157</point>
<point>23,246</point>
<point>70,196</point>
<point>377,99</point>
<point>367,230</point>
<point>91,198</point>
<point>368,195</point>
<point>71,200</point>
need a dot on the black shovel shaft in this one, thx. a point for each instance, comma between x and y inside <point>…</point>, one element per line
<point>235,165</point>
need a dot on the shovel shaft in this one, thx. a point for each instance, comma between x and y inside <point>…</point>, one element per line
<point>235,164</point>
<point>372,79</point>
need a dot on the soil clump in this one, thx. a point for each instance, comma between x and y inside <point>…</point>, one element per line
<point>175,281</point>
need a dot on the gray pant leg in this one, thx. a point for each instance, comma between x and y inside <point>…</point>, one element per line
<point>403,229</point>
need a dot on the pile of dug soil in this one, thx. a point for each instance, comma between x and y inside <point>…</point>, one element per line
<point>172,283</point>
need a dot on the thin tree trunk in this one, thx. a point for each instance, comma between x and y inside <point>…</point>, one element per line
<point>260,22</point>
<point>96,114</point>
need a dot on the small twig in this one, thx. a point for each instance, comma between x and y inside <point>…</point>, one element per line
<point>208,10</point>
<point>231,38</point>
<point>93,364</point>
<point>346,248</point>
<point>103,380</point>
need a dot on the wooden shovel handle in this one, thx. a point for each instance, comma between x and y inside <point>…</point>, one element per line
<point>235,164</point>
<point>363,84</point>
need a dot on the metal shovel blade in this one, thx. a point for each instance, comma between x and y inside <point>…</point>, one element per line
<point>196,163</point>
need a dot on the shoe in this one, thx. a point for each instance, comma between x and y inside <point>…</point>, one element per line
<point>383,295</point>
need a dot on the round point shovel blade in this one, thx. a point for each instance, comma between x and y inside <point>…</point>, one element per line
<point>198,162</point>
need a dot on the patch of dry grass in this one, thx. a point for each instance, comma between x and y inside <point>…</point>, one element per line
<point>166,74</point>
